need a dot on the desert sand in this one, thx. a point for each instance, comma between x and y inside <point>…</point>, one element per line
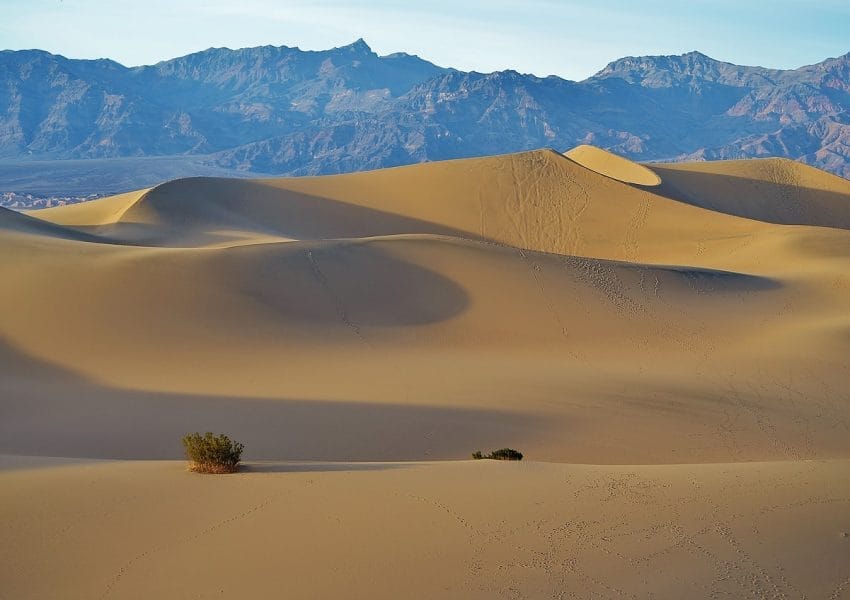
<point>666,343</point>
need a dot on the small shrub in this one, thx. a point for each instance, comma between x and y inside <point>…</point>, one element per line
<point>501,454</point>
<point>212,453</point>
<point>506,454</point>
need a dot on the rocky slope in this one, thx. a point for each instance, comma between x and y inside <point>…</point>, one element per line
<point>283,110</point>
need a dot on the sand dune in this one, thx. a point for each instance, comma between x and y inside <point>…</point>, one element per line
<point>583,308</point>
<point>526,284</point>
<point>775,190</point>
<point>536,200</point>
<point>613,166</point>
<point>12,223</point>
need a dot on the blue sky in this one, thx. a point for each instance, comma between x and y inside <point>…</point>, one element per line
<point>567,38</point>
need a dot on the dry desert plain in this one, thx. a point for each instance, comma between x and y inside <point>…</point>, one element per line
<point>668,344</point>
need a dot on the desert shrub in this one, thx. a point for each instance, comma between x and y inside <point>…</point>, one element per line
<point>210,453</point>
<point>505,454</point>
<point>501,454</point>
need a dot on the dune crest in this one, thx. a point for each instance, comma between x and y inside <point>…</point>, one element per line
<point>103,211</point>
<point>613,166</point>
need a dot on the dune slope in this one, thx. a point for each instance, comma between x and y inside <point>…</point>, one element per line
<point>775,190</point>
<point>650,326</point>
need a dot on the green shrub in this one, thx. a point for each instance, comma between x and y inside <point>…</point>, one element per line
<point>505,454</point>
<point>501,454</point>
<point>212,453</point>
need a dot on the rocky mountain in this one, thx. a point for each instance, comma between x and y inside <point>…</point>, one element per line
<point>287,111</point>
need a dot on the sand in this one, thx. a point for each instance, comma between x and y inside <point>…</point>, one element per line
<point>427,530</point>
<point>613,165</point>
<point>666,323</point>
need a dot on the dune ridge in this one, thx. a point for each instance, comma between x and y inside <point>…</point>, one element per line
<point>613,166</point>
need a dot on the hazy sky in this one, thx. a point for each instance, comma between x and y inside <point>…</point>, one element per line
<point>573,39</point>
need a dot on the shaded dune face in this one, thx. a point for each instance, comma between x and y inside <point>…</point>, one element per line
<point>265,209</point>
<point>586,307</point>
<point>773,190</point>
<point>328,283</point>
<point>12,223</point>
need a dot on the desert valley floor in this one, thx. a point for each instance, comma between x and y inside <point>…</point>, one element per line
<point>668,345</point>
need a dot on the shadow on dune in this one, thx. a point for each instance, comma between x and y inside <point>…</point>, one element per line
<point>48,411</point>
<point>358,283</point>
<point>154,236</point>
<point>250,290</point>
<point>197,211</point>
<point>692,281</point>
<point>766,201</point>
<point>713,281</point>
<point>14,221</point>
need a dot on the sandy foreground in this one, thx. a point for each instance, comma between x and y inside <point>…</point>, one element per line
<point>683,328</point>
<point>427,530</point>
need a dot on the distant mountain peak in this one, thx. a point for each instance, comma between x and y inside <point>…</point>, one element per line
<point>358,46</point>
<point>698,55</point>
<point>668,62</point>
<point>692,69</point>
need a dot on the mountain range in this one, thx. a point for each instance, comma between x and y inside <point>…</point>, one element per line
<point>281,110</point>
